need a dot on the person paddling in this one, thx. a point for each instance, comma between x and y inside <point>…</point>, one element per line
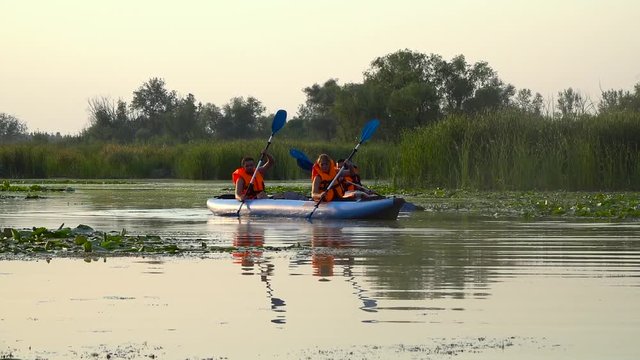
<point>351,180</point>
<point>322,173</point>
<point>352,187</point>
<point>241,177</point>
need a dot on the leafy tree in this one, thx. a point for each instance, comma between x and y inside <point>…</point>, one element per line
<point>400,88</point>
<point>355,105</point>
<point>240,119</point>
<point>154,104</point>
<point>209,115</point>
<point>182,124</point>
<point>528,103</point>
<point>467,88</point>
<point>11,128</point>
<point>109,121</point>
<point>619,100</point>
<point>318,110</point>
<point>572,103</point>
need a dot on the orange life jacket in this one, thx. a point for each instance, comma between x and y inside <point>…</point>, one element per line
<point>325,179</point>
<point>258,182</point>
<point>351,178</point>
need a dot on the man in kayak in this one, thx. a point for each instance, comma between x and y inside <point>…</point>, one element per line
<point>242,177</point>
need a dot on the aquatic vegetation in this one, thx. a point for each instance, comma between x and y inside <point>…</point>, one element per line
<point>84,240</point>
<point>8,187</point>
<point>532,204</point>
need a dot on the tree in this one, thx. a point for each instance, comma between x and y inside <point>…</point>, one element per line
<point>318,110</point>
<point>400,88</point>
<point>209,115</point>
<point>619,100</point>
<point>528,103</point>
<point>239,120</point>
<point>11,128</point>
<point>467,88</point>
<point>572,104</point>
<point>109,121</point>
<point>154,104</point>
<point>182,124</point>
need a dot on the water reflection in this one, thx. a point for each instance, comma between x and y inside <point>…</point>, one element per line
<point>326,243</point>
<point>249,242</point>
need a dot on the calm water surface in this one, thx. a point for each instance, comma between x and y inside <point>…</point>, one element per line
<point>428,286</point>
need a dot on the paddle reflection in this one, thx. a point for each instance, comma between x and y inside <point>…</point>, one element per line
<point>330,247</point>
<point>249,242</point>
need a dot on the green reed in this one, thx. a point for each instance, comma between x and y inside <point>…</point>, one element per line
<point>511,150</point>
<point>500,151</point>
<point>204,160</point>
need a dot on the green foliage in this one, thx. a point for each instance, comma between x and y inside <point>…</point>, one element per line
<point>83,240</point>
<point>512,150</point>
<point>11,128</point>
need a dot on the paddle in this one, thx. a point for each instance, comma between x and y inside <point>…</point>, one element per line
<point>302,159</point>
<point>278,122</point>
<point>305,164</point>
<point>366,134</point>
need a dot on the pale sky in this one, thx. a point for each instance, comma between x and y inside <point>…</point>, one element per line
<point>55,55</point>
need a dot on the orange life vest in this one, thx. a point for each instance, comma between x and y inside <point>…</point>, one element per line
<point>351,178</point>
<point>325,179</point>
<point>258,182</point>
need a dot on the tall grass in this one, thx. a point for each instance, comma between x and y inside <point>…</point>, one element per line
<point>505,150</point>
<point>205,160</point>
<point>511,150</point>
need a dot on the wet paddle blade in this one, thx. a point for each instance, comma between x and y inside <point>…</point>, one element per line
<point>369,129</point>
<point>278,121</point>
<point>301,159</point>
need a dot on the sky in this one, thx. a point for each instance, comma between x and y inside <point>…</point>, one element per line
<point>57,55</point>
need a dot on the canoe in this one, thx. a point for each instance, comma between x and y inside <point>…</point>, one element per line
<point>386,208</point>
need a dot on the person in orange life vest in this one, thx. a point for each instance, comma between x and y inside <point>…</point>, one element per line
<point>351,185</point>
<point>242,177</point>
<point>323,171</point>
<point>352,176</point>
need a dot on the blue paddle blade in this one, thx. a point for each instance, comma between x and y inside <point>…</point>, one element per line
<point>278,121</point>
<point>304,165</point>
<point>369,129</point>
<point>302,159</point>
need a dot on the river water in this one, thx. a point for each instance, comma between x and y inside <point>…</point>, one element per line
<point>427,286</point>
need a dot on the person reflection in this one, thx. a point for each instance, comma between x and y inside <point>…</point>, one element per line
<point>249,242</point>
<point>325,240</point>
<point>330,247</point>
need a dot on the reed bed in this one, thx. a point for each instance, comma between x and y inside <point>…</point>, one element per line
<point>497,151</point>
<point>512,150</point>
<point>198,161</point>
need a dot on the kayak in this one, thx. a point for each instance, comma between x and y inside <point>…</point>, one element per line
<point>385,208</point>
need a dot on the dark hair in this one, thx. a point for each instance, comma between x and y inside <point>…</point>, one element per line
<point>245,159</point>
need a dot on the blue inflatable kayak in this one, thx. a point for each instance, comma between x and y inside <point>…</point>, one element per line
<point>385,208</point>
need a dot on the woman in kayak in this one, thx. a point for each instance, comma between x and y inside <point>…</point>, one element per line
<point>322,173</point>
<point>242,177</point>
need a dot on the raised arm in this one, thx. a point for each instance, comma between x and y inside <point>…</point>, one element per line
<point>267,165</point>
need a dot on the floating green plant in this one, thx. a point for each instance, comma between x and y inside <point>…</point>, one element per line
<point>85,240</point>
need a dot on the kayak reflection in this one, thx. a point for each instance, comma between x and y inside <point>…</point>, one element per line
<point>249,242</point>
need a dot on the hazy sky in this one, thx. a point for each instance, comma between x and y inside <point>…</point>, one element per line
<point>56,55</point>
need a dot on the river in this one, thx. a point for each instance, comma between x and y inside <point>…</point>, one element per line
<point>430,285</point>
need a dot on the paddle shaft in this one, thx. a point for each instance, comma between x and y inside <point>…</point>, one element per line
<point>362,187</point>
<point>253,177</point>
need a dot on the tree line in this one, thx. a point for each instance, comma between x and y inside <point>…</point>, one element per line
<point>406,90</point>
